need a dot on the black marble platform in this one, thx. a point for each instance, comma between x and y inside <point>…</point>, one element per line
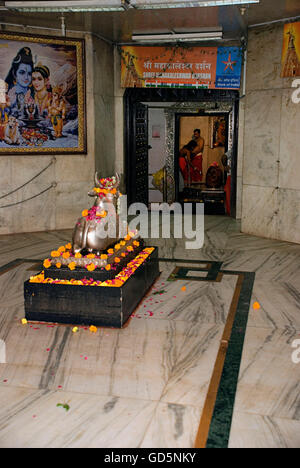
<point>90,305</point>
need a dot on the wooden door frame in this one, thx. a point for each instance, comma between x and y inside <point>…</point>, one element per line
<point>134,95</point>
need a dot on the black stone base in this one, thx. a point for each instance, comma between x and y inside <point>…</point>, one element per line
<point>90,305</point>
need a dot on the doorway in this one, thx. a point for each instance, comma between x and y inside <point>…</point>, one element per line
<point>216,107</point>
<point>201,154</point>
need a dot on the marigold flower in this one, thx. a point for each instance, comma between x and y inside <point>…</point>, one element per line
<point>103,257</point>
<point>91,267</point>
<point>108,267</point>
<point>105,191</point>
<point>117,246</point>
<point>55,253</point>
<point>58,265</point>
<point>61,249</point>
<point>68,246</point>
<point>72,265</point>
<point>66,254</point>
<point>85,213</point>
<point>102,214</point>
<point>117,260</point>
<point>110,251</point>
<point>118,283</point>
<point>78,255</point>
<point>24,321</point>
<point>37,278</point>
<point>93,329</point>
<point>47,263</point>
<point>75,329</point>
<point>90,255</point>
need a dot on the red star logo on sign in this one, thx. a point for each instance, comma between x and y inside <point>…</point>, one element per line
<point>230,63</point>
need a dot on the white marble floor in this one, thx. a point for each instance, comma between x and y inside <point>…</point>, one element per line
<point>145,385</point>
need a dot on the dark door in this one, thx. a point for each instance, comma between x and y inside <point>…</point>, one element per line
<point>137,150</point>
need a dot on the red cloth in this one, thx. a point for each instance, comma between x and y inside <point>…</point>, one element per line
<point>227,192</point>
<point>191,172</point>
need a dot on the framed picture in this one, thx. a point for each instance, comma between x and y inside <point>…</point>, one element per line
<point>42,95</point>
<point>218,132</point>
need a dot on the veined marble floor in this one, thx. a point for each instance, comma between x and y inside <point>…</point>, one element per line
<point>146,384</point>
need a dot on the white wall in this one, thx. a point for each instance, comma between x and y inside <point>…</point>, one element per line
<point>271,141</point>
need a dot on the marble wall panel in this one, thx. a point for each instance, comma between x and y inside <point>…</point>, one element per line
<point>5,188</point>
<point>259,211</point>
<point>36,214</point>
<point>262,137</point>
<point>264,58</point>
<point>239,196</point>
<point>240,155</point>
<point>5,171</point>
<point>289,215</point>
<point>70,200</point>
<point>103,64</point>
<point>289,143</point>
<point>104,134</point>
<point>119,141</point>
<point>271,142</point>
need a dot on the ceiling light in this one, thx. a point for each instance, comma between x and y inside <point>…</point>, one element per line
<point>182,37</point>
<point>153,4</point>
<point>68,5</point>
<point>114,5</point>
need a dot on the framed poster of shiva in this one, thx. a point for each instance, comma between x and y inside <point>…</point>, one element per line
<point>42,95</point>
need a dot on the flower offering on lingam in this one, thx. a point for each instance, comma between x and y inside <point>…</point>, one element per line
<point>98,227</point>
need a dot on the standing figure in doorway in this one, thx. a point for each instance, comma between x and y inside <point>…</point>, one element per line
<point>185,161</point>
<point>197,156</point>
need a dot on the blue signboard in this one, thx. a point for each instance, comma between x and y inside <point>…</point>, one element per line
<point>229,66</point>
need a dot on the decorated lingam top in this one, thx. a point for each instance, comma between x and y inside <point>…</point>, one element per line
<point>89,233</point>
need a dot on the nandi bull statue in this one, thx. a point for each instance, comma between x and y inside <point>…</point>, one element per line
<point>98,228</point>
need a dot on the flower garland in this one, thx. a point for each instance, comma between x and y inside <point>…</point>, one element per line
<point>118,281</point>
<point>65,253</point>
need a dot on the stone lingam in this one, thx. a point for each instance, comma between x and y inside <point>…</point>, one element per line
<point>99,277</point>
